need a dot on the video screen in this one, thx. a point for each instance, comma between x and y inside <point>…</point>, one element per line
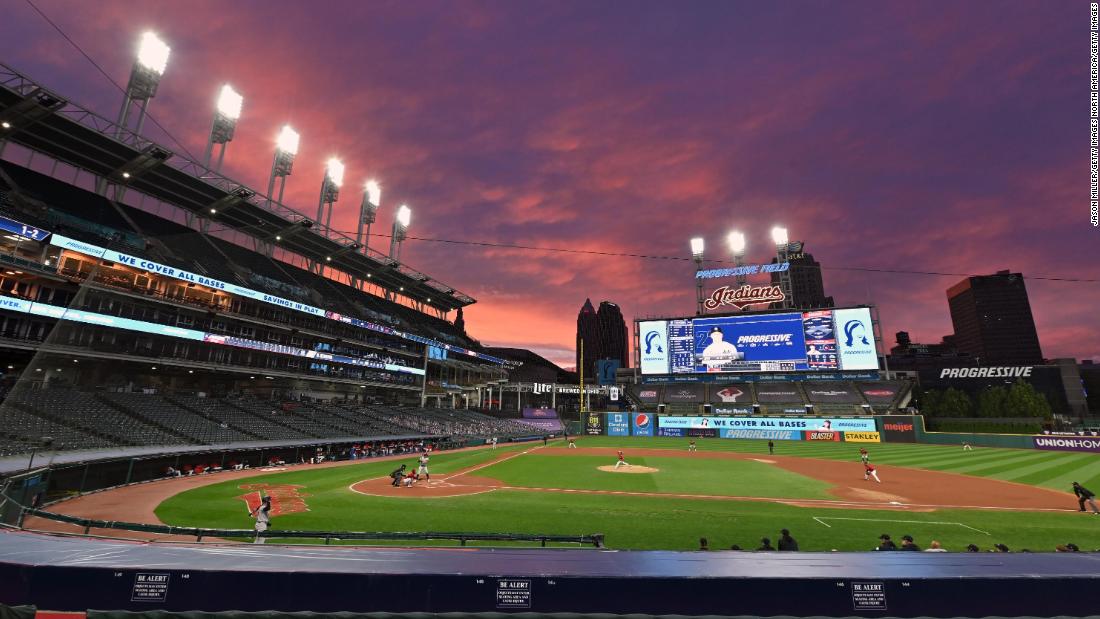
<point>820,340</point>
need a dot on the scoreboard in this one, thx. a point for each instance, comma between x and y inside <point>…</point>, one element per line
<point>820,340</point>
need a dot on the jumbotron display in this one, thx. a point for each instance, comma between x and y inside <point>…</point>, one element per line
<point>825,340</point>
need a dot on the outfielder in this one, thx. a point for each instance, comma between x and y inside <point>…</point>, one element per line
<point>262,514</point>
<point>572,443</point>
<point>622,461</point>
<point>691,446</point>
<point>864,457</point>
<point>869,472</point>
<point>967,447</point>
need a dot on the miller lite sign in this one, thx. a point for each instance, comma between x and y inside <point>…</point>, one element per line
<point>744,296</point>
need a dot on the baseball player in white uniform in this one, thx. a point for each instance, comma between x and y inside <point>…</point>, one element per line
<point>423,468</point>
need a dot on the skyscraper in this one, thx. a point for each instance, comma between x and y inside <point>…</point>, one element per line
<point>807,286</point>
<point>611,333</point>
<point>992,319</point>
<point>604,334</point>
<point>586,330</point>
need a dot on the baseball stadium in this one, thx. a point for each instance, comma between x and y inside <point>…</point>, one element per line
<point>216,403</point>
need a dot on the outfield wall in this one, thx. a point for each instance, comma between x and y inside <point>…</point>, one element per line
<point>854,429</point>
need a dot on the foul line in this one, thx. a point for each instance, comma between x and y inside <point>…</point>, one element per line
<point>959,524</point>
<point>490,463</point>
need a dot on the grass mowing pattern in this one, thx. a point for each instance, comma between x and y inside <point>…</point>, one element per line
<point>677,475</point>
<point>655,522</point>
<point>1049,469</point>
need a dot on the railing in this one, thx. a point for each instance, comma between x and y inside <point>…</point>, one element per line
<point>596,539</point>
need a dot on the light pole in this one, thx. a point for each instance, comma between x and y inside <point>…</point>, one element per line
<point>368,211</point>
<point>225,123</point>
<point>779,235</point>
<point>330,189</point>
<point>152,59</point>
<point>400,230</point>
<point>697,245</point>
<point>737,246</point>
<point>286,147</point>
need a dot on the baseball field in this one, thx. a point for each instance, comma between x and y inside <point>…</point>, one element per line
<point>729,491</point>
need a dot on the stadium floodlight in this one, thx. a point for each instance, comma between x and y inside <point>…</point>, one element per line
<point>779,235</point>
<point>368,211</point>
<point>288,140</point>
<point>697,245</point>
<point>152,60</point>
<point>153,53</point>
<point>400,230</point>
<point>737,246</point>
<point>330,189</point>
<point>286,147</point>
<point>737,243</point>
<point>225,123</point>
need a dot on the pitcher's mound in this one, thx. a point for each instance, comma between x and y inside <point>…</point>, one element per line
<point>637,468</point>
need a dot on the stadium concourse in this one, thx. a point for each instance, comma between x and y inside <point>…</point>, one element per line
<point>160,320</point>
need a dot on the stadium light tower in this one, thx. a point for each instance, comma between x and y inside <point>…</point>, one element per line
<point>330,189</point>
<point>152,59</point>
<point>286,147</point>
<point>368,211</point>
<point>225,123</point>
<point>737,246</point>
<point>779,235</point>
<point>400,230</point>
<point>697,245</point>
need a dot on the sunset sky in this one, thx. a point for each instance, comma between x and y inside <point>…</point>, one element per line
<point>933,136</point>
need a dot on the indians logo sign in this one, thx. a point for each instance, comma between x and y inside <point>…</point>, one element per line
<point>285,498</point>
<point>744,296</point>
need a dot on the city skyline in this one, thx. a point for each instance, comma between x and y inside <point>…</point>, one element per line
<point>888,137</point>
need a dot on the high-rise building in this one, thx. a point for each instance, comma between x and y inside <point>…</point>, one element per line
<point>611,333</point>
<point>586,330</point>
<point>604,334</point>
<point>807,286</point>
<point>992,320</point>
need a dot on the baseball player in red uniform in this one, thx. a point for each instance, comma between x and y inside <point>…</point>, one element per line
<point>622,460</point>
<point>869,472</point>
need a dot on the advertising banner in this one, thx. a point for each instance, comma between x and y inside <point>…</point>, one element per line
<point>1067,443</point>
<point>778,393</point>
<point>653,342</point>
<point>768,435</point>
<point>686,393</point>
<point>594,424</point>
<point>648,395</point>
<point>605,371</point>
<point>701,432</point>
<point>641,424</point>
<point>898,428</point>
<point>820,340</point>
<point>540,413</point>
<point>879,393</point>
<point>855,339</point>
<point>553,426</point>
<point>618,424</point>
<point>720,409</point>
<point>831,392</point>
<point>855,424</point>
<point>670,432</point>
<point>861,437</point>
<point>731,394</point>
<point>821,436</point>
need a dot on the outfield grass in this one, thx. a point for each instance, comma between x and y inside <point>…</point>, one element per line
<point>677,475</point>
<point>647,522</point>
<point>1049,469</point>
